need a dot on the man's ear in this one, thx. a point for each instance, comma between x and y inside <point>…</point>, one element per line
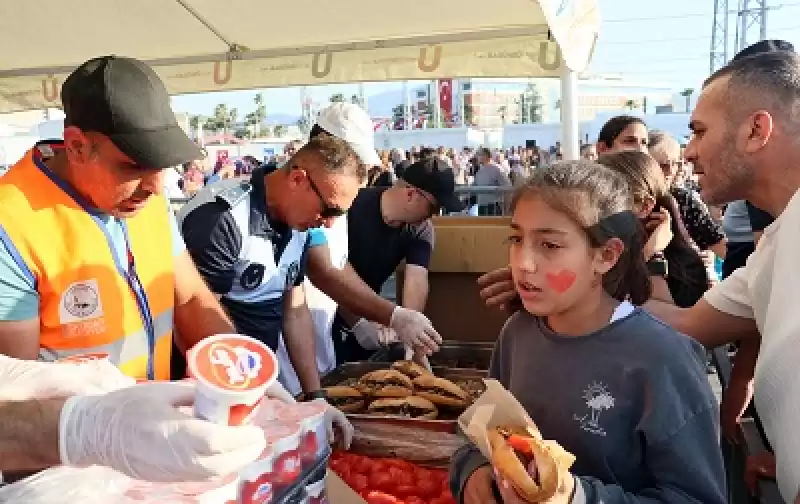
<point>77,145</point>
<point>608,255</point>
<point>296,177</point>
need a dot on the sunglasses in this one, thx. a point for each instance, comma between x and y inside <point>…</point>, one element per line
<point>328,211</point>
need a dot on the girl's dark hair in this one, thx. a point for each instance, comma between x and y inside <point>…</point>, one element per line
<point>614,127</point>
<point>593,195</point>
<point>645,179</point>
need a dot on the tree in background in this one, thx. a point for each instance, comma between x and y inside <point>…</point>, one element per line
<point>337,98</point>
<point>255,119</point>
<point>687,93</point>
<point>279,130</point>
<point>630,104</point>
<point>469,115</point>
<point>530,105</point>
<point>194,123</point>
<point>302,125</point>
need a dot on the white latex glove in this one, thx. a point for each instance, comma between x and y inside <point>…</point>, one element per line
<point>335,417</point>
<point>418,357</point>
<point>140,432</point>
<point>21,379</point>
<point>415,330</point>
<point>367,334</point>
<point>279,392</point>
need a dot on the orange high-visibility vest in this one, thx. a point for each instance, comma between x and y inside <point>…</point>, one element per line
<point>87,302</point>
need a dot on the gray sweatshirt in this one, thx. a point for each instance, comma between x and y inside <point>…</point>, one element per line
<point>631,401</point>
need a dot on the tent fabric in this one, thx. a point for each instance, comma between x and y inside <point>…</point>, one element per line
<point>207,45</point>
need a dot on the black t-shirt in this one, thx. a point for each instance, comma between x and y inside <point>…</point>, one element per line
<point>375,248</point>
<point>252,284</point>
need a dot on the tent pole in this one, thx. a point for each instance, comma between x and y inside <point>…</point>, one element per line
<point>570,141</point>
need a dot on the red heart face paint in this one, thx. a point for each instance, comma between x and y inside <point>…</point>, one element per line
<point>561,281</point>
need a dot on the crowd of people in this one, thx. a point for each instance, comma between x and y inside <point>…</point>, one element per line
<point>607,290</point>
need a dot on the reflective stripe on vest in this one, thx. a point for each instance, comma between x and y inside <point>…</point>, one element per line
<point>89,301</point>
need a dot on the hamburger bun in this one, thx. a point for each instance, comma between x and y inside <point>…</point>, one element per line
<point>512,458</point>
<point>410,368</point>
<point>386,383</point>
<point>346,399</point>
<point>440,391</point>
<point>409,407</point>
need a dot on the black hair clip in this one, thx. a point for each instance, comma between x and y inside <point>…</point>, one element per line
<point>619,225</point>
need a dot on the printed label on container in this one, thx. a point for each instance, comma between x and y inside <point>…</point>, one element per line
<point>234,364</point>
<point>87,357</point>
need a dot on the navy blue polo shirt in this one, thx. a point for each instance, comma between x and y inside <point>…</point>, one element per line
<point>248,258</point>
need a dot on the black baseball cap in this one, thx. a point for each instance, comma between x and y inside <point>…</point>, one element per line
<point>125,100</point>
<point>434,176</point>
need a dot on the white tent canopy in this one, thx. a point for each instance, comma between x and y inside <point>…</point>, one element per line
<point>208,45</point>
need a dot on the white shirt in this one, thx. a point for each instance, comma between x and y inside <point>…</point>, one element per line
<point>323,310</point>
<point>766,290</point>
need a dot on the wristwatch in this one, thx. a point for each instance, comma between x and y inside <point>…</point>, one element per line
<point>314,394</point>
<point>657,265</point>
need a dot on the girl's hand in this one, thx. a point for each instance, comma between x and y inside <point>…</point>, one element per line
<point>562,496</point>
<point>659,230</point>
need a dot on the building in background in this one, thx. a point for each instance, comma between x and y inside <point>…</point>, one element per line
<point>494,103</point>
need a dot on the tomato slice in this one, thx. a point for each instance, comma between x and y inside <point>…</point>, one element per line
<point>521,444</point>
<point>376,497</point>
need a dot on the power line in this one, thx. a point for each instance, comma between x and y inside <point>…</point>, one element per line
<point>681,16</point>
<point>678,39</point>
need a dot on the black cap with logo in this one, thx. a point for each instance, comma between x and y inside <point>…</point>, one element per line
<point>125,100</point>
<point>435,177</point>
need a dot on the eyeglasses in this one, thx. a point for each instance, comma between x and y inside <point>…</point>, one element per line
<point>328,211</point>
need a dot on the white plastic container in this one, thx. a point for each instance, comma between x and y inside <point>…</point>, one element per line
<point>276,470</point>
<point>232,372</point>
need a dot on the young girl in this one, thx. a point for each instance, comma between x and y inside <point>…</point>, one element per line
<point>627,395</point>
<point>686,277</point>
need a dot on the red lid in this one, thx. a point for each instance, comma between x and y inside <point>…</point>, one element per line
<point>233,363</point>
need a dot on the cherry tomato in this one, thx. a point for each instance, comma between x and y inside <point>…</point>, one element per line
<point>363,465</point>
<point>360,483</point>
<point>381,481</point>
<point>405,478</point>
<point>421,474</point>
<point>344,472</point>
<point>413,499</point>
<point>405,490</point>
<point>427,488</point>
<point>376,497</point>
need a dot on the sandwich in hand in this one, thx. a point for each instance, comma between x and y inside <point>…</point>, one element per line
<point>440,391</point>
<point>410,368</point>
<point>532,466</point>
<point>409,407</point>
<point>386,383</point>
<point>346,399</point>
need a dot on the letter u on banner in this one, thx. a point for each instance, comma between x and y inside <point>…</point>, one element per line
<point>315,70</point>
<point>50,89</point>
<point>422,63</point>
<point>549,65</point>
<point>220,79</point>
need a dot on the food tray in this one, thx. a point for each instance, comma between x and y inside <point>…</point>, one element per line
<point>463,355</point>
<point>469,379</point>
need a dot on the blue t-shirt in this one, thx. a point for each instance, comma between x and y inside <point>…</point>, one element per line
<point>317,237</point>
<point>18,297</point>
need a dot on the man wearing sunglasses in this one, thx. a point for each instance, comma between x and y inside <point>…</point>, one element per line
<point>249,242</point>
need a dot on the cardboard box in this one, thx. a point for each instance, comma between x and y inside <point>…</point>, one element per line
<point>466,248</point>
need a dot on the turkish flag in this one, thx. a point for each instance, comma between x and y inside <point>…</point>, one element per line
<point>446,96</point>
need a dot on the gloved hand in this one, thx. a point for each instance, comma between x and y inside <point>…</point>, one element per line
<point>414,329</point>
<point>21,379</point>
<point>367,334</point>
<point>140,432</point>
<point>279,392</point>
<point>334,416</point>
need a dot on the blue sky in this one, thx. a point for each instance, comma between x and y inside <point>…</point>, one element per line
<point>649,41</point>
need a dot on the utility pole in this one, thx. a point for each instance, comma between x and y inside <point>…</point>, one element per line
<point>719,36</point>
<point>752,22</point>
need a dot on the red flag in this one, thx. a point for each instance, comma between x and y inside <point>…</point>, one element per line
<point>446,96</point>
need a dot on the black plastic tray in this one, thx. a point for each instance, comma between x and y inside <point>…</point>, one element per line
<point>296,494</point>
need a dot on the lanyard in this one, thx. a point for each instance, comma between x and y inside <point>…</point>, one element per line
<point>140,295</point>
